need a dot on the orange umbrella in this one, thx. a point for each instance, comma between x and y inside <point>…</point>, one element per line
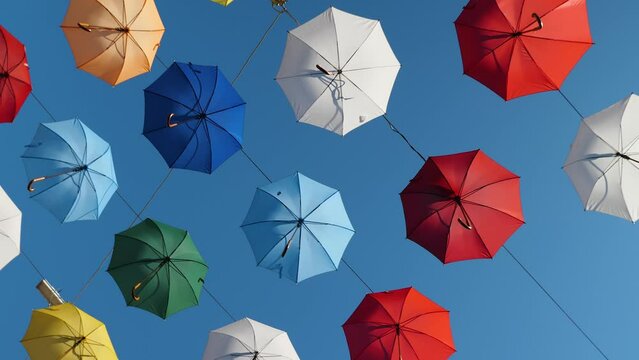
<point>112,41</point>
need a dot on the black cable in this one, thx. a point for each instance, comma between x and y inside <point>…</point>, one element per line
<point>218,303</point>
<point>394,129</point>
<point>256,166</point>
<point>556,303</point>
<point>42,106</point>
<point>33,265</point>
<point>161,62</point>
<point>571,104</point>
<point>357,275</point>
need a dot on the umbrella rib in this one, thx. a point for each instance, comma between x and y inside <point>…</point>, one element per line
<point>300,75</point>
<point>179,272</point>
<point>135,17</point>
<point>113,42</point>
<point>142,242</point>
<point>377,338</point>
<point>137,262</point>
<point>362,44</point>
<point>407,321</point>
<point>497,210</point>
<point>280,201</point>
<point>197,98</point>
<point>487,185</point>
<point>321,245</point>
<point>430,336</point>
<point>146,59</point>
<point>329,224</point>
<point>558,40</point>
<point>548,12</point>
<point>171,100</point>
<point>293,221</point>
<point>491,52</point>
<point>190,260</point>
<point>537,65</point>
<point>372,68</point>
<point>110,13</point>
<point>47,159</point>
<point>310,47</point>
<point>187,144</point>
<point>75,154</point>
<point>364,93</point>
<point>5,61</point>
<point>318,206</point>
<point>217,79</point>
<point>279,241</point>
<point>451,202</point>
<point>319,97</point>
<point>56,184</point>
<point>461,187</point>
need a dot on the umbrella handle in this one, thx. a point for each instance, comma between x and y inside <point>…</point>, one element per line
<point>33,181</point>
<point>467,226</point>
<point>322,70</point>
<point>84,26</point>
<point>540,23</point>
<point>169,122</point>
<point>135,288</point>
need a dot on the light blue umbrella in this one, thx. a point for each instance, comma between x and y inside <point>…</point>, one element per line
<point>70,170</point>
<point>298,227</point>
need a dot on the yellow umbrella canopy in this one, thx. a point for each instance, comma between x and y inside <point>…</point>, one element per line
<point>64,332</point>
<point>223,2</point>
<point>114,40</point>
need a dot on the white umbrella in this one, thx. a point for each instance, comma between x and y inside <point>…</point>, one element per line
<point>338,71</point>
<point>249,340</point>
<point>603,163</point>
<point>10,222</point>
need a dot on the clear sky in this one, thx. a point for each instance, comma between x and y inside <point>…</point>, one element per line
<point>588,261</point>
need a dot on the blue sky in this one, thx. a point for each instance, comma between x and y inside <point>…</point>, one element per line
<point>587,260</point>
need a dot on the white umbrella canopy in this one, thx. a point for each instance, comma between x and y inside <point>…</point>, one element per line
<point>10,223</point>
<point>603,163</point>
<point>338,71</point>
<point>248,339</point>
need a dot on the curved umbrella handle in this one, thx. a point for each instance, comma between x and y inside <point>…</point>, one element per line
<point>169,122</point>
<point>466,225</point>
<point>33,181</point>
<point>540,23</point>
<point>135,288</point>
<point>84,26</point>
<point>322,70</point>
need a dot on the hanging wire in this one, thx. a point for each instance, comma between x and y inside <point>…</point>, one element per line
<point>42,105</point>
<point>583,332</point>
<point>33,265</point>
<point>218,303</point>
<point>259,43</point>
<point>571,104</point>
<point>161,61</point>
<point>395,130</point>
<point>357,275</point>
<point>256,166</point>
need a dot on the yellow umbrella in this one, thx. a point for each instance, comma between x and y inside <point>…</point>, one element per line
<point>112,41</point>
<point>64,332</point>
<point>223,2</point>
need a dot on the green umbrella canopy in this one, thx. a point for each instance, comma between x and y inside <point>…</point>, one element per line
<point>158,268</point>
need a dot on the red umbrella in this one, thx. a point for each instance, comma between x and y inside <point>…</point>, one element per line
<point>15,82</point>
<point>399,325</point>
<point>519,47</point>
<point>462,206</point>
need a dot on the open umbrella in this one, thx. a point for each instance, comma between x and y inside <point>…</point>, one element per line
<point>298,227</point>
<point>223,2</point>
<point>158,268</point>
<point>113,40</point>
<point>15,81</point>
<point>194,117</point>
<point>519,47</point>
<point>399,325</point>
<point>10,223</point>
<point>603,163</point>
<point>64,332</point>
<point>462,206</point>
<point>70,170</point>
<point>248,339</point>
<point>338,71</point>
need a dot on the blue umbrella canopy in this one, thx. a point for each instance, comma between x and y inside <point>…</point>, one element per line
<point>70,170</point>
<point>298,227</point>
<point>194,117</point>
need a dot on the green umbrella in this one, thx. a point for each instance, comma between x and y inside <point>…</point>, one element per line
<point>158,268</point>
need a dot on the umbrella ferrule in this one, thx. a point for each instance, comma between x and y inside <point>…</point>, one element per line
<point>4,74</point>
<point>623,156</point>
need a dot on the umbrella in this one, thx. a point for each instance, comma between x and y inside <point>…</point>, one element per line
<point>15,82</point>
<point>114,40</point>
<point>194,117</point>
<point>223,2</point>
<point>10,222</point>
<point>518,47</point>
<point>68,333</point>
<point>249,340</point>
<point>158,268</point>
<point>399,325</point>
<point>603,163</point>
<point>298,227</point>
<point>71,170</point>
<point>338,71</point>
<point>462,206</point>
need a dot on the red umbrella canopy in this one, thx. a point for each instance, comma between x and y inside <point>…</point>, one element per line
<point>399,325</point>
<point>519,47</point>
<point>462,206</point>
<point>15,82</point>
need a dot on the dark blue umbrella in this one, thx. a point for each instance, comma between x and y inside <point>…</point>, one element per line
<point>194,117</point>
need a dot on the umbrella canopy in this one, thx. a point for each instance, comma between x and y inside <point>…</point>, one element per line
<point>248,339</point>
<point>399,325</point>
<point>223,2</point>
<point>15,81</point>
<point>519,47</point>
<point>194,117</point>
<point>64,332</point>
<point>603,163</point>
<point>70,170</point>
<point>158,268</point>
<point>338,71</point>
<point>298,227</point>
<point>10,224</point>
<point>462,206</point>
<point>113,40</point>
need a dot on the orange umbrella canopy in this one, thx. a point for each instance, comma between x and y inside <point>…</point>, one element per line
<point>114,40</point>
